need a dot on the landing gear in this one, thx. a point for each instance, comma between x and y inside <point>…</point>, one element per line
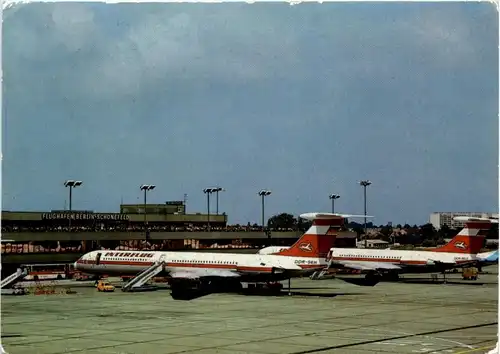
<point>225,286</point>
<point>187,289</point>
<point>264,288</point>
<point>444,277</point>
<point>274,287</point>
<point>391,276</point>
<point>372,278</point>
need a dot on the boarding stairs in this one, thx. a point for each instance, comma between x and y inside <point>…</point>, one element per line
<point>320,273</point>
<point>143,277</point>
<point>14,278</point>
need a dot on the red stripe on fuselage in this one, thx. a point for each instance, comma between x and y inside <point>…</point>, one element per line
<point>390,260</point>
<point>311,266</point>
<point>328,222</point>
<point>181,265</point>
<point>106,262</point>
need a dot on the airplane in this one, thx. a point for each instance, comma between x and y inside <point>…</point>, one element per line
<point>195,274</point>
<point>487,258</point>
<point>461,251</point>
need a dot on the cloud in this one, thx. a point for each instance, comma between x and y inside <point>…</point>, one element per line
<point>73,26</point>
<point>224,42</point>
<point>158,46</point>
<point>266,95</point>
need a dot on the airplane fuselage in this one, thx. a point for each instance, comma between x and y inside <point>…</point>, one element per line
<point>408,260</point>
<point>248,266</point>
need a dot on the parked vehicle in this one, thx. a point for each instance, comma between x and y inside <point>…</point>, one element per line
<point>469,273</point>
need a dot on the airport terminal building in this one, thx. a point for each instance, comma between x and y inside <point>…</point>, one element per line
<point>438,219</point>
<point>62,235</point>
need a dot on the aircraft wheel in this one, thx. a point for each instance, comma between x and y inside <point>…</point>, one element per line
<point>372,278</point>
<point>275,286</point>
<point>238,286</point>
<point>231,286</point>
<point>394,276</point>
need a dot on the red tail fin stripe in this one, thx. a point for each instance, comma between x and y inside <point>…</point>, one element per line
<point>482,233</point>
<point>321,230</point>
<point>328,222</point>
<point>478,225</point>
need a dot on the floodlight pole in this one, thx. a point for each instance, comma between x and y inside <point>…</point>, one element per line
<point>263,213</point>
<point>70,197</point>
<point>364,184</point>
<point>264,193</point>
<point>71,184</point>
<point>146,188</point>
<point>208,191</point>
<point>217,190</point>
<point>208,209</point>
<point>333,197</point>
<point>145,213</point>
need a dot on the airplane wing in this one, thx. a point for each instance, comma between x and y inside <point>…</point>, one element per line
<point>183,292</point>
<point>488,256</point>
<point>437,262</point>
<point>203,273</point>
<point>366,265</point>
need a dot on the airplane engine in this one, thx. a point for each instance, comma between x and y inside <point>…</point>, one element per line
<point>371,278</point>
<point>225,285</point>
<point>189,289</point>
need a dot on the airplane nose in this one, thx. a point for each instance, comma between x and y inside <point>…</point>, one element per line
<point>76,265</point>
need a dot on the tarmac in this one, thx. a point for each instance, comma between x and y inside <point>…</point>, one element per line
<point>321,316</point>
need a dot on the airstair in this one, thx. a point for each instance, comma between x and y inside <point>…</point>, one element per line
<point>13,278</point>
<point>137,282</point>
<point>320,273</point>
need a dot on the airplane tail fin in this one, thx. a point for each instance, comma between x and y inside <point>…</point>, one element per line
<point>470,239</point>
<point>317,241</point>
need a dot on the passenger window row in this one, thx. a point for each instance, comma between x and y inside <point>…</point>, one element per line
<point>122,259</point>
<point>370,256</point>
<point>203,262</point>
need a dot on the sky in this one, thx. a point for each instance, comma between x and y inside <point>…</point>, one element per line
<point>304,100</point>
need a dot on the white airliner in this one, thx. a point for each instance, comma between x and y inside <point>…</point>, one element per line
<point>486,259</point>
<point>192,273</point>
<point>461,250</point>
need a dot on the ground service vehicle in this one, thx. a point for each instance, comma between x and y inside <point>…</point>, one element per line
<point>469,273</point>
<point>55,271</point>
<point>104,285</point>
